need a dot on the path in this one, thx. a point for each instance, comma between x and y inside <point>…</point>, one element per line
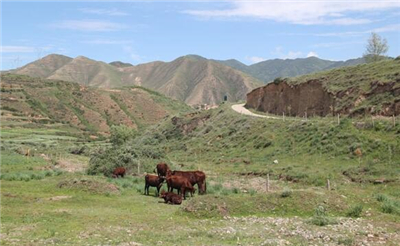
<point>242,110</point>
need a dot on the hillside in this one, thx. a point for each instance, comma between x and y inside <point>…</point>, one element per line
<point>192,79</point>
<point>32,100</point>
<point>367,89</point>
<point>268,70</point>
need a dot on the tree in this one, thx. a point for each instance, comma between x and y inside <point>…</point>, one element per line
<point>376,48</point>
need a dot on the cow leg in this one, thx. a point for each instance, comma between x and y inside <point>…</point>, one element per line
<point>145,188</point>
<point>184,193</point>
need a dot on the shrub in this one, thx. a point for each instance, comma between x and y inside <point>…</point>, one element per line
<point>321,218</point>
<point>390,207</point>
<point>381,198</point>
<point>252,192</point>
<point>128,155</point>
<point>286,193</point>
<point>121,134</point>
<point>355,212</point>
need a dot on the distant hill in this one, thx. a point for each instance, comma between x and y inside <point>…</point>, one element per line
<point>268,70</point>
<point>120,64</point>
<point>28,99</point>
<point>366,89</point>
<point>192,79</point>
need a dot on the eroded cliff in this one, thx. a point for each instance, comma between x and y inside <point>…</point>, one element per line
<point>370,89</point>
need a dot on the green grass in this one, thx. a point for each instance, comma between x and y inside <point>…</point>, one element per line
<point>41,205</point>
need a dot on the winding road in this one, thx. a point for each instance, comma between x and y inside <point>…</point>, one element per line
<point>242,110</point>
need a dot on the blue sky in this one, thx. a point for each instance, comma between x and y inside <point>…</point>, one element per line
<point>144,31</point>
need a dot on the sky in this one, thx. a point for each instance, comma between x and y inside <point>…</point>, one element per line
<point>144,31</point>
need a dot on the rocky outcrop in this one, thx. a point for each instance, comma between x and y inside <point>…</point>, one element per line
<point>294,100</point>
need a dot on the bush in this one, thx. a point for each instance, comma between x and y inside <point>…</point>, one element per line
<point>121,134</point>
<point>390,207</point>
<point>381,198</point>
<point>355,212</point>
<point>321,218</point>
<point>128,155</point>
<point>286,193</point>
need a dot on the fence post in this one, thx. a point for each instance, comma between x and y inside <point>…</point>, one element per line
<point>267,185</point>
<point>338,119</point>
<point>328,184</point>
<point>283,116</point>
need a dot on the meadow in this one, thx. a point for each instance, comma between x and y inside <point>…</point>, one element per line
<point>49,198</point>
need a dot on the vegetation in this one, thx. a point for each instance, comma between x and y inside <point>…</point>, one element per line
<point>94,111</point>
<point>376,48</point>
<point>267,71</point>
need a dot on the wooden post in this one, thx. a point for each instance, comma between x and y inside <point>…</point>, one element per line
<point>267,182</point>
<point>283,116</point>
<point>328,184</point>
<point>306,115</point>
<point>338,119</point>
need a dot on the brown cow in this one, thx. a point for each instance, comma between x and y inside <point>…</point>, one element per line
<point>153,181</point>
<point>195,177</point>
<point>162,169</point>
<point>119,171</point>
<point>171,198</point>
<point>180,183</point>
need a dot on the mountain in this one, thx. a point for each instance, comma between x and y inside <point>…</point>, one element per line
<point>192,79</point>
<point>45,66</point>
<point>120,64</point>
<point>270,69</point>
<point>26,99</point>
<point>365,89</point>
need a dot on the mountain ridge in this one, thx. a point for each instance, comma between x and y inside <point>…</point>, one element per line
<point>192,78</point>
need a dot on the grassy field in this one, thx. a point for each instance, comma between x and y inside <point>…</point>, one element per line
<point>49,198</point>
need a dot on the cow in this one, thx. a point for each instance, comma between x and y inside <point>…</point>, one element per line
<point>195,177</point>
<point>119,171</point>
<point>180,183</point>
<point>153,181</point>
<point>171,198</point>
<point>162,169</point>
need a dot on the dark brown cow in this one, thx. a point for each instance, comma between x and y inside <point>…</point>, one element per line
<point>171,198</point>
<point>153,181</point>
<point>162,169</point>
<point>180,183</point>
<point>119,171</point>
<point>195,177</point>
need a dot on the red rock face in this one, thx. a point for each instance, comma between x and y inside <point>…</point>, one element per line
<point>295,100</point>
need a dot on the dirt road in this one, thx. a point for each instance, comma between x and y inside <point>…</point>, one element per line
<point>242,110</point>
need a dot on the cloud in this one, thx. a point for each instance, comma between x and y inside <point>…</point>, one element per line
<point>312,54</point>
<point>278,52</point>
<point>89,25</point>
<point>132,53</point>
<point>305,12</point>
<point>336,44</point>
<point>293,55</point>
<point>106,41</point>
<point>25,49</point>
<point>255,59</point>
<point>109,12</point>
<point>17,49</point>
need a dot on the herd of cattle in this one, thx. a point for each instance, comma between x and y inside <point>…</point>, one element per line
<point>182,181</point>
